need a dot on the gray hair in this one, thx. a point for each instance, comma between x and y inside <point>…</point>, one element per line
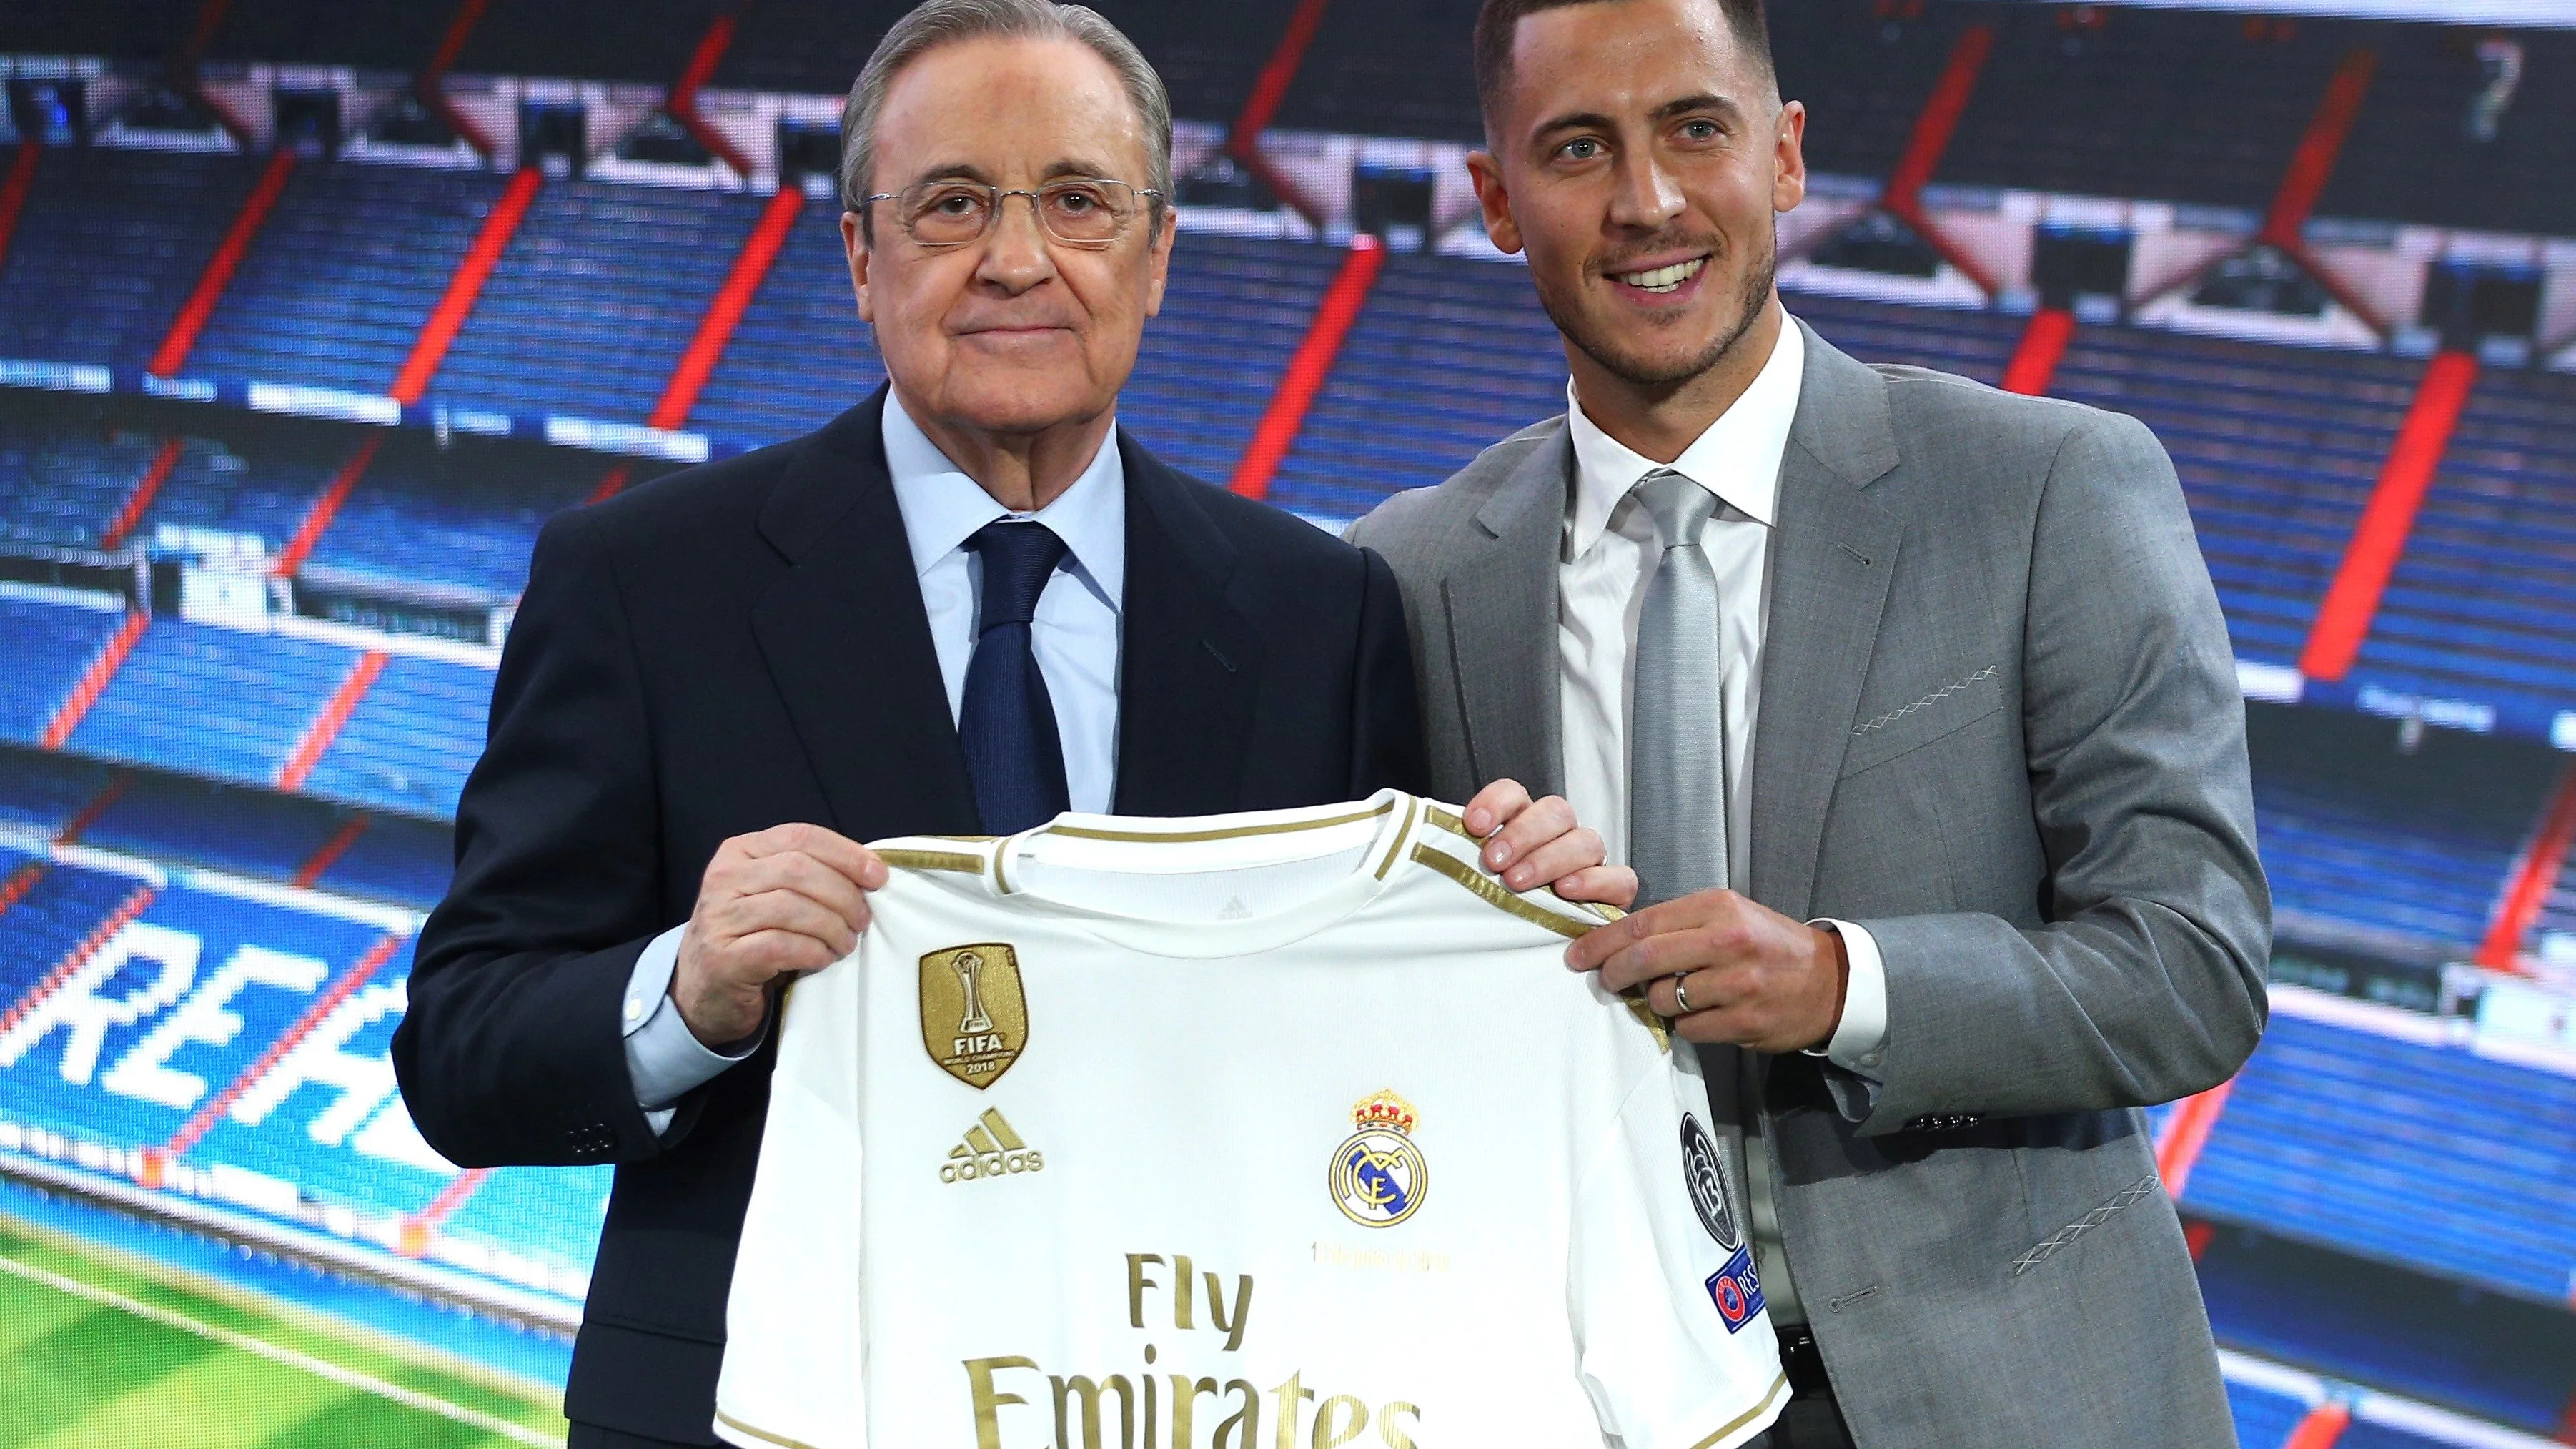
<point>937,23</point>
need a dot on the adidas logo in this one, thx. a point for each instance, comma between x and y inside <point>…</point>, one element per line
<point>1235,910</point>
<point>991,1149</point>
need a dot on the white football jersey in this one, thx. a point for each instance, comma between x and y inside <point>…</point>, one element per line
<point>1288,1130</point>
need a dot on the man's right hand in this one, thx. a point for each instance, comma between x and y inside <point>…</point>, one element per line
<point>789,899</point>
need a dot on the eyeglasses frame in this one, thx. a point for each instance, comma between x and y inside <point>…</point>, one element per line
<point>1154,201</point>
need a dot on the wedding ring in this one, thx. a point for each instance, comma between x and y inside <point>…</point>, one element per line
<point>1681,996</point>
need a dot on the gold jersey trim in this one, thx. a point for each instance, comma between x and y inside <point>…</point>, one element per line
<point>1395,847</point>
<point>1231,832</point>
<point>1449,821</point>
<point>765,1437</point>
<point>1494,893</point>
<point>1769,1396</point>
<point>948,860</point>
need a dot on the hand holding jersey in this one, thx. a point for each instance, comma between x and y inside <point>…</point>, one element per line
<point>794,898</point>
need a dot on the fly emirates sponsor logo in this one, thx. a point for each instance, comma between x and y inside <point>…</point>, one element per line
<point>1156,1408</point>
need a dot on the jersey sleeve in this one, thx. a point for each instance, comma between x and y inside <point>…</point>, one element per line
<point>1673,1343</point>
<point>793,1353</point>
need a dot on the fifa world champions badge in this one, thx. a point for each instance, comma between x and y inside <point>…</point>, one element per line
<point>974,1014</point>
<point>1378,1177</point>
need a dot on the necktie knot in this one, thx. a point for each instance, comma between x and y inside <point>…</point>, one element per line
<point>1680,508</point>
<point>1020,555</point>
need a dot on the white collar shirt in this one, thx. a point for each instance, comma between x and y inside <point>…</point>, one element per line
<point>1075,632</point>
<point>1609,551</point>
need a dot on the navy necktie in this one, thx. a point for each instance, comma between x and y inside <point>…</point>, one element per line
<point>1007,723</point>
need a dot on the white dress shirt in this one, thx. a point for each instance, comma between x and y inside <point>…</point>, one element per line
<point>1610,552</point>
<point>1074,633</point>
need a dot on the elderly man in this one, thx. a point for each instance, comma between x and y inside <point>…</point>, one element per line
<point>1911,702</point>
<point>965,605</point>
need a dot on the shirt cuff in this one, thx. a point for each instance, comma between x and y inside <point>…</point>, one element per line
<point>665,1061</point>
<point>1859,1042</point>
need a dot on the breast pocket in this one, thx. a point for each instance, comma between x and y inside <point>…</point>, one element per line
<point>1886,729</point>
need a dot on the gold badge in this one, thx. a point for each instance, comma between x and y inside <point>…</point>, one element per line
<point>974,1017</point>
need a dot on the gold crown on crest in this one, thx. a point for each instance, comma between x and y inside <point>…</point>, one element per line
<point>1383,1109</point>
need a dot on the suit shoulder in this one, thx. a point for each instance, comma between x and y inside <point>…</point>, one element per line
<point>685,504</point>
<point>1268,533</point>
<point>1923,394</point>
<point>1418,515</point>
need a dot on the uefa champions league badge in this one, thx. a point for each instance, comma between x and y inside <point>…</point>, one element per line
<point>1378,1177</point>
<point>1736,1291</point>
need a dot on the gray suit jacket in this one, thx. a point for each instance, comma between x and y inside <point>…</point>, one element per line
<point>1999,728</point>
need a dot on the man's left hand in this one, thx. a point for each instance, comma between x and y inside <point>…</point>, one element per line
<point>1534,843</point>
<point>1725,968</point>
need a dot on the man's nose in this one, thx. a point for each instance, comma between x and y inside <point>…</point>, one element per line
<point>1016,256</point>
<point>1647,196</point>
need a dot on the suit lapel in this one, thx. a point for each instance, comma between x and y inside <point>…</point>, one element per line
<point>1501,604</point>
<point>1831,560</point>
<point>847,641</point>
<point>1189,667</point>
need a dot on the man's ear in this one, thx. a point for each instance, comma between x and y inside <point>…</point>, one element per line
<point>855,244</point>
<point>1487,175</point>
<point>1159,256</point>
<point>1789,158</point>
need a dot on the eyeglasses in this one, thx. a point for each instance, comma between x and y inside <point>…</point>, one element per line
<point>1078,213</point>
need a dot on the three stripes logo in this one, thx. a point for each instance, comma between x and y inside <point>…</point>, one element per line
<point>991,1149</point>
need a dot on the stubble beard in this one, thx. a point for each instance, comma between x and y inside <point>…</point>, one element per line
<point>1751,297</point>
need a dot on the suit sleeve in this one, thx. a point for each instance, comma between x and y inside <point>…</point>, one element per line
<point>2147,982</point>
<point>1386,713</point>
<point>512,1050</point>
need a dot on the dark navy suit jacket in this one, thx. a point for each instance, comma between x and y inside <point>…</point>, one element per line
<point>741,645</point>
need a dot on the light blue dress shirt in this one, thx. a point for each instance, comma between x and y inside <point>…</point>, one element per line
<point>1076,638</point>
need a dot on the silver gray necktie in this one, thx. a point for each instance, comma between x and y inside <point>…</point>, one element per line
<point>1677,730</point>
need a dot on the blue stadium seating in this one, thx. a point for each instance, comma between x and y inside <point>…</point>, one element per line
<point>411,740</point>
<point>2278,449</point>
<point>1233,312</point>
<point>600,291</point>
<point>2430,1157</point>
<point>66,483</point>
<point>2412,849</point>
<point>49,645</point>
<point>800,354</point>
<point>465,516</point>
<point>61,906</point>
<point>155,710</point>
<point>2463,617</point>
<point>108,247</point>
<point>1468,348</point>
<point>265,494</point>
<point>2504,1360</point>
<point>334,291</point>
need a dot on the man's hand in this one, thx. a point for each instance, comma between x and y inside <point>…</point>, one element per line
<point>1747,973</point>
<point>1532,843</point>
<point>789,899</point>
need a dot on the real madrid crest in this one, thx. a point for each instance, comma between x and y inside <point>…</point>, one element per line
<point>974,1016</point>
<point>1378,1177</point>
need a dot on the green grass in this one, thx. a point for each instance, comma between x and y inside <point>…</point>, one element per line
<point>154,1358</point>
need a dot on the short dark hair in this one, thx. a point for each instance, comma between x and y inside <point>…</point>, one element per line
<point>1498,20</point>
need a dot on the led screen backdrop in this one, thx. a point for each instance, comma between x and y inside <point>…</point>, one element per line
<point>311,316</point>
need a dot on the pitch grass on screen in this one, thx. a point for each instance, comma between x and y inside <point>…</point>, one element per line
<point>100,1349</point>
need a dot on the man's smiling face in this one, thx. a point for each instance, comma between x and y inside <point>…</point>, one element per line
<point>1640,155</point>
